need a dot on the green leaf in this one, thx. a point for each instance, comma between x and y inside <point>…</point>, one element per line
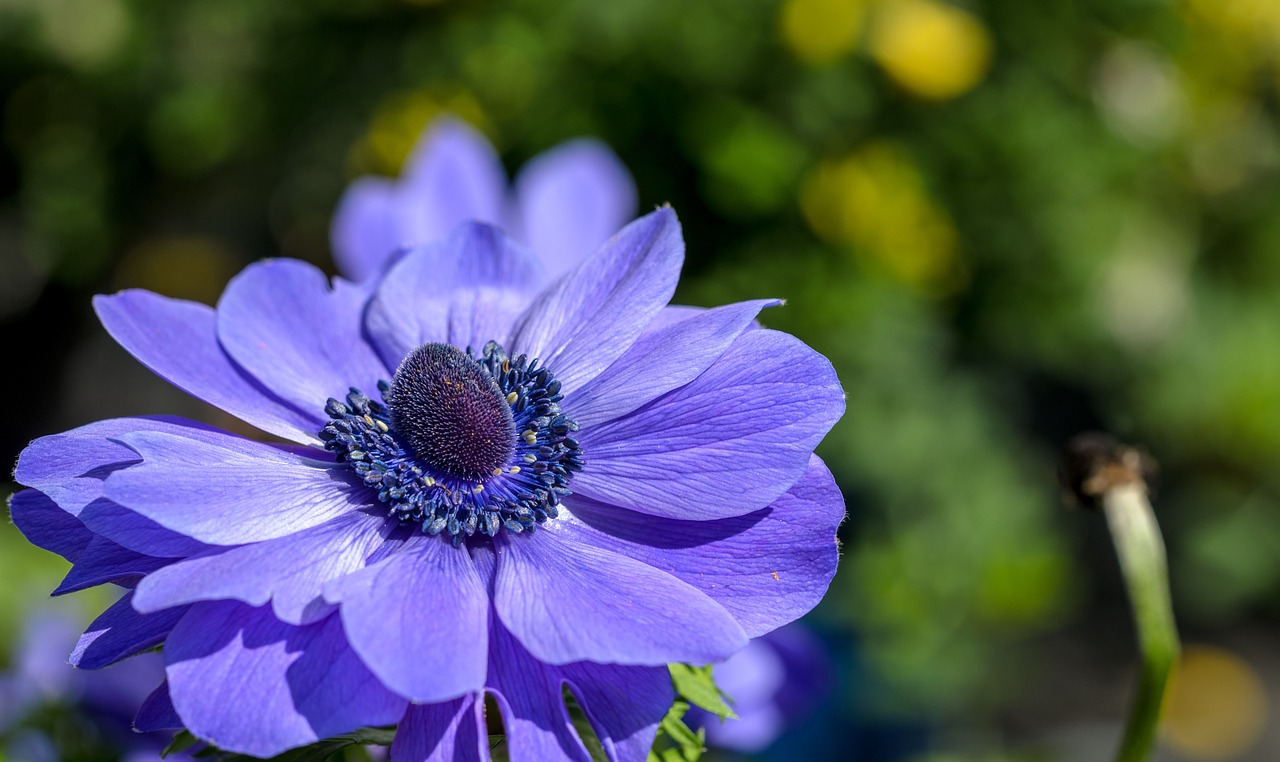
<point>699,686</point>
<point>182,740</point>
<point>316,752</point>
<point>375,736</point>
<point>675,741</point>
<point>583,725</point>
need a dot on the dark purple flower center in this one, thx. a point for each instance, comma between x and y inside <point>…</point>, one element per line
<point>449,412</point>
<point>463,445</point>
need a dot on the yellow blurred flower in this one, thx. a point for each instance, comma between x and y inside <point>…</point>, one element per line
<point>930,49</point>
<point>1217,705</point>
<point>875,200</point>
<point>1249,19</point>
<point>398,123</point>
<point>821,31</point>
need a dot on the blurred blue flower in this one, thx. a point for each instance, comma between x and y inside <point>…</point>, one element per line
<point>629,485</point>
<point>565,203</point>
<point>98,703</point>
<point>772,684</point>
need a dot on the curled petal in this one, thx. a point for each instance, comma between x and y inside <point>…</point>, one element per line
<point>48,526</point>
<point>157,712</point>
<point>104,561</point>
<point>70,468</point>
<point>120,632</point>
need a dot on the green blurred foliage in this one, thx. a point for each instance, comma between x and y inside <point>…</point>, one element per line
<point>1003,221</point>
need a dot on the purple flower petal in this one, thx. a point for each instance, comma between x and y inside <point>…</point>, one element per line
<point>464,291</point>
<point>47,526</point>
<point>774,681</point>
<point>137,532</point>
<point>582,324</point>
<point>766,568</point>
<point>670,315</point>
<point>418,620</point>
<point>661,361</point>
<point>571,199</point>
<point>70,467</point>
<point>728,443</point>
<point>445,732</point>
<point>624,704</point>
<point>570,601</point>
<point>120,631</point>
<point>177,340</point>
<point>808,667</point>
<point>232,493</point>
<point>366,228</point>
<point>104,561</point>
<point>157,712</point>
<point>453,176</point>
<point>297,335</point>
<point>290,571</point>
<point>529,695</point>
<point>246,682</point>
<point>73,466</point>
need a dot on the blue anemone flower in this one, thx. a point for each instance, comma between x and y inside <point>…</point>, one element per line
<point>774,684</point>
<point>563,205</point>
<point>493,485</point>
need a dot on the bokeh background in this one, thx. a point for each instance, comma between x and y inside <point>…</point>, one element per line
<point>1005,221</point>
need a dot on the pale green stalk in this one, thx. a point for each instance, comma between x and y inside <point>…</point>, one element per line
<point>1142,560</point>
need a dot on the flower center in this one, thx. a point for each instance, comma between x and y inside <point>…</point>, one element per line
<point>463,444</point>
<point>450,413</point>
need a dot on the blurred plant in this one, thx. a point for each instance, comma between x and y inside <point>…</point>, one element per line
<point>52,712</point>
<point>875,201</point>
<point>932,50</point>
<point>1108,179</point>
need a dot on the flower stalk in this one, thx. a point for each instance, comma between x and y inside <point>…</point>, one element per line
<point>1142,560</point>
<point>1113,477</point>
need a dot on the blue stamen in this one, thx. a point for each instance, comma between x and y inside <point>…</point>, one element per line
<point>464,445</point>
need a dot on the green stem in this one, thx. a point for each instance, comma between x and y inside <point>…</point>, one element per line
<point>1142,560</point>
